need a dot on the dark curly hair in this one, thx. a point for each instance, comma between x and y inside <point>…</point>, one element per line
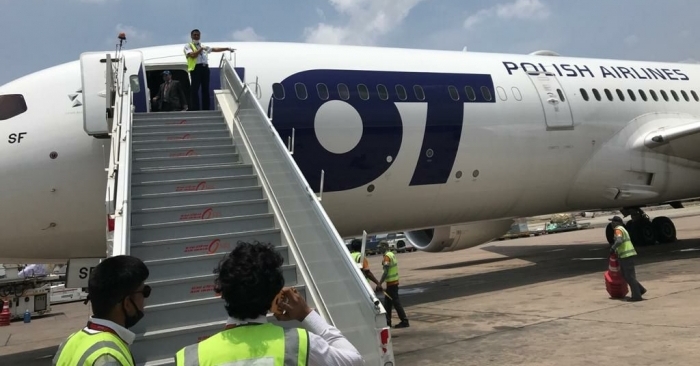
<point>356,245</point>
<point>249,278</point>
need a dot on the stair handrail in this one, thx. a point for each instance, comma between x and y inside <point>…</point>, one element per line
<point>121,137</point>
<point>339,242</point>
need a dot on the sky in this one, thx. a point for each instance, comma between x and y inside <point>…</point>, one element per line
<point>42,33</point>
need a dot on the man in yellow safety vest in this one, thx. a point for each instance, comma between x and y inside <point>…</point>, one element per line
<point>391,296</point>
<point>356,247</point>
<point>625,253</point>
<point>198,67</point>
<point>250,282</point>
<point>116,291</point>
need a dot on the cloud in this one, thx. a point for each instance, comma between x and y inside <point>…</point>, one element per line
<point>631,40</point>
<point>689,61</point>
<point>519,9</point>
<point>247,35</point>
<point>367,21</point>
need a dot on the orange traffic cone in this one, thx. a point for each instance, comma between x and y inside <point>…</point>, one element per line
<point>5,314</point>
<point>614,283</point>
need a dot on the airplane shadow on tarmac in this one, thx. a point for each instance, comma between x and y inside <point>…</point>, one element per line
<point>548,262</point>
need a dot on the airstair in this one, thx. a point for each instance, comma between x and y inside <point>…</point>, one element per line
<point>185,187</point>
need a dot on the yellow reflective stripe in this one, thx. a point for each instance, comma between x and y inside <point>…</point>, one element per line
<point>303,358</point>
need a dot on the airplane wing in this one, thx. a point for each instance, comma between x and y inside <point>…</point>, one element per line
<point>678,137</point>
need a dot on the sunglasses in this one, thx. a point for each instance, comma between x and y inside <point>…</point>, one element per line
<point>146,291</point>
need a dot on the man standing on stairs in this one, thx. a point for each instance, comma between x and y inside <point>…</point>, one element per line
<point>251,283</point>
<point>198,67</point>
<point>391,296</point>
<point>170,95</point>
<point>356,247</point>
<point>117,294</point>
<point>625,255</point>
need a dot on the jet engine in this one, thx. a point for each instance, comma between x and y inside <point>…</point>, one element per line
<point>458,237</point>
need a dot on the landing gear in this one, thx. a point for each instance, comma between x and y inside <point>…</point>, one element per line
<point>644,231</point>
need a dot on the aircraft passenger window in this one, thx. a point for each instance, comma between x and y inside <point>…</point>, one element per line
<point>420,95</point>
<point>516,94</point>
<point>322,90</point>
<point>300,88</point>
<point>486,93</point>
<point>401,92</point>
<point>695,95</point>
<point>363,91</point>
<point>454,94</point>
<point>632,96</point>
<point>471,95</point>
<point>621,95</point>
<point>502,93</point>
<point>12,105</point>
<point>663,94</point>
<point>561,95</point>
<point>609,95</point>
<point>685,96</point>
<point>675,95</point>
<point>596,94</point>
<point>278,91</point>
<point>383,93</point>
<point>584,94</point>
<point>643,95</point>
<point>653,95</point>
<point>343,91</point>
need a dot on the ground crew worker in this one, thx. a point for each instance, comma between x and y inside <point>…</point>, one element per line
<point>116,292</point>
<point>391,296</point>
<point>251,283</point>
<point>356,247</point>
<point>625,255</point>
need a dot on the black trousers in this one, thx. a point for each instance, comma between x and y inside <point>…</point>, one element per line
<point>200,78</point>
<point>630,275</point>
<point>393,301</point>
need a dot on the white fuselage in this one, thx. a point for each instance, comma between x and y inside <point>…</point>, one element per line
<point>508,164</point>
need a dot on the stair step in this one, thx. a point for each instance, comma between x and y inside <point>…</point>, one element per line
<point>177,268</point>
<point>195,197</point>
<point>168,316</point>
<point>171,136</point>
<point>176,152</point>
<point>177,116</point>
<point>199,286</point>
<point>189,185</point>
<point>192,246</point>
<point>140,176</point>
<point>223,225</point>
<point>177,127</point>
<point>211,141</point>
<point>213,159</point>
<point>198,212</point>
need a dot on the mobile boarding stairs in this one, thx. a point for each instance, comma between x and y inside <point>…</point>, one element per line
<point>185,187</point>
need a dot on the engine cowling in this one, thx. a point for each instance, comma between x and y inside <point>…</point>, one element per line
<point>457,237</point>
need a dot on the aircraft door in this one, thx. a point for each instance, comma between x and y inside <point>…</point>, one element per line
<point>557,110</point>
<point>93,70</point>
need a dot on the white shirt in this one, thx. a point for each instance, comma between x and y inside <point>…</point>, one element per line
<point>202,58</point>
<point>327,346</point>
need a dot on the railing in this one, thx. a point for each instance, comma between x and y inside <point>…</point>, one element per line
<point>119,173</point>
<point>321,248</point>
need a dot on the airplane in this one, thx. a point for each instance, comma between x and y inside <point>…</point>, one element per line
<point>447,146</point>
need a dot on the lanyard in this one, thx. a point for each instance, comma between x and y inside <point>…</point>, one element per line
<point>102,328</point>
<point>231,326</point>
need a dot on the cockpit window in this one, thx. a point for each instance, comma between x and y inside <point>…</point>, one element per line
<point>11,105</point>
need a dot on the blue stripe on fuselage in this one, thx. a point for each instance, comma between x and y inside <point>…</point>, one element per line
<point>382,124</point>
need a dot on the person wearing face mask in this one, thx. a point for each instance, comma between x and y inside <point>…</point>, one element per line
<point>198,67</point>
<point>117,293</point>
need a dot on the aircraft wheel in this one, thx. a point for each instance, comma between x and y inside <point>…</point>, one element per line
<point>640,233</point>
<point>647,233</point>
<point>664,230</point>
<point>610,234</point>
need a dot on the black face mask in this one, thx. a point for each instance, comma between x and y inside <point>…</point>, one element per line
<point>131,320</point>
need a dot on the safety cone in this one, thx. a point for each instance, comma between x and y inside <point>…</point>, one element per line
<point>614,283</point>
<point>5,314</point>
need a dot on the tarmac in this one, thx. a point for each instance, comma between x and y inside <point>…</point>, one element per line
<point>529,301</point>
